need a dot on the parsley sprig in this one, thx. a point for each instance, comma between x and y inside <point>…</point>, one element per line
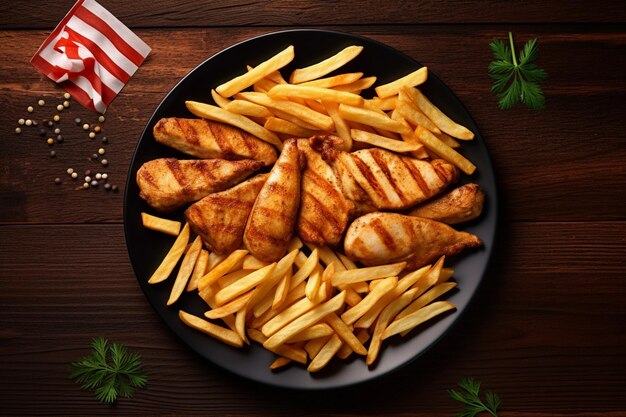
<point>110,370</point>
<point>516,81</point>
<point>470,398</point>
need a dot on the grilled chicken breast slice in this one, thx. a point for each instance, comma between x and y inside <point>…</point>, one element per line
<point>381,238</point>
<point>168,183</point>
<point>272,219</point>
<point>376,178</point>
<point>220,218</point>
<point>324,210</point>
<point>460,205</point>
<point>209,140</point>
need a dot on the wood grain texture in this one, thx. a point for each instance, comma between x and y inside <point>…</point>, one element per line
<point>546,329</point>
<point>532,334</point>
<point>563,163</point>
<point>47,13</point>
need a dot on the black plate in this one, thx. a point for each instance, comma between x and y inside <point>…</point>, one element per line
<point>147,248</point>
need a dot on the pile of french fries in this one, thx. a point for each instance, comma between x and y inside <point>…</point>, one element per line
<point>315,303</point>
<point>308,307</point>
<point>399,118</point>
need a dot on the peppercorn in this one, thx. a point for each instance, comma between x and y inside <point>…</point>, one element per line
<point>41,103</point>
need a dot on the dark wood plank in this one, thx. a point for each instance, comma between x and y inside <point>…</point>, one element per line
<point>21,14</point>
<point>545,332</point>
<point>562,163</point>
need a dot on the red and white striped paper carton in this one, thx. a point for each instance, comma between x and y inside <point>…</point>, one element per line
<point>91,54</point>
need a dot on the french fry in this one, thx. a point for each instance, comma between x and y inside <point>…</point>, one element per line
<point>415,319</point>
<point>414,115</point>
<point>222,268</point>
<point>354,313</point>
<point>240,324</point>
<point>307,319</point>
<point>427,297</point>
<point>294,295</point>
<point>328,256</point>
<point>280,362</point>
<point>262,301</point>
<point>313,283</point>
<point>404,284</point>
<point>326,66</point>
<point>327,287</point>
<point>314,332</point>
<point>346,351</point>
<point>231,277</point>
<point>306,269</point>
<point>335,80</point>
<point>219,100</point>
<point>300,259</point>
<point>247,108</point>
<point>377,103</point>
<point>347,262</point>
<point>214,260</point>
<point>282,289</point>
<point>211,112</point>
<point>352,297</point>
<point>412,79</point>
<point>185,270</point>
<point>436,145</point>
<point>383,142</point>
<point>251,262</point>
<point>220,333</point>
<point>313,346</point>
<point>342,128</point>
<point>357,86</point>
<point>315,93</point>
<point>387,315</point>
<point>442,121</point>
<point>231,307</point>
<point>345,333</point>
<point>278,125</point>
<point>198,270</point>
<point>295,354</point>
<point>368,274</point>
<point>171,259</point>
<point>313,118</point>
<point>371,118</point>
<point>158,224</point>
<point>257,73</point>
<point>325,354</point>
<point>243,285</point>
<point>410,137</point>
<point>448,140</point>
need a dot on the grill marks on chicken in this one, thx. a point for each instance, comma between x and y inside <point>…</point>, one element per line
<point>220,218</point>
<point>168,183</point>
<point>375,178</point>
<point>460,205</point>
<point>208,139</point>
<point>271,222</point>
<point>380,238</point>
<point>324,210</point>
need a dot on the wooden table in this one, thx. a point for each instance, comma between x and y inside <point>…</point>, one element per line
<point>547,329</point>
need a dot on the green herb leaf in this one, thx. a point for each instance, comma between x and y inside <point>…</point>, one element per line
<point>516,82</point>
<point>470,398</point>
<point>110,371</point>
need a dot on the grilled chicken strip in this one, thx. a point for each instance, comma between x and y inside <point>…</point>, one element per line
<point>380,238</point>
<point>271,222</point>
<point>376,179</point>
<point>209,140</point>
<point>220,218</point>
<point>324,211</point>
<point>460,205</point>
<point>167,183</point>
